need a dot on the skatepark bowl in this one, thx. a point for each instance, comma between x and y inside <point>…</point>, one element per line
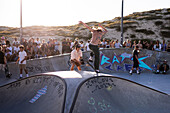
<point>52,88</point>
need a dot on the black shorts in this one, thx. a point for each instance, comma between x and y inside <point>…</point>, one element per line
<point>135,64</point>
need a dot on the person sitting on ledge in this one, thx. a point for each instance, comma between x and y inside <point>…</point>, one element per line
<point>163,67</point>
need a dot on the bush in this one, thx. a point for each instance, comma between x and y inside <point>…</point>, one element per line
<point>132,36</point>
<point>158,23</point>
<point>165,34</point>
<point>147,32</point>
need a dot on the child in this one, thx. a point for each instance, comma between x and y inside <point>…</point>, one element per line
<point>76,56</point>
<point>135,60</point>
<point>22,61</point>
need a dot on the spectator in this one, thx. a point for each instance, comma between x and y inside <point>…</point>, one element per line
<point>57,47</point>
<point>82,45</point>
<point>151,46</point>
<point>145,45</point>
<point>3,63</point>
<point>117,44</point>
<point>87,46</point>
<point>124,44</point>
<point>25,43</point>
<point>3,41</point>
<point>112,44</point>
<point>76,42</point>
<point>64,43</point>
<point>163,46</point>
<point>38,41</point>
<point>76,55</point>
<point>168,47</point>
<point>68,44</point>
<point>157,46</point>
<point>140,45</point>
<point>108,44</point>
<point>104,43</point>
<point>72,44</point>
<point>134,44</point>
<point>128,44</point>
<point>15,42</point>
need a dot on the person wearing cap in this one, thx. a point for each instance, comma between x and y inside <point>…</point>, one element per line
<point>22,61</point>
<point>76,58</point>
<point>97,34</point>
<point>163,67</point>
<point>135,60</point>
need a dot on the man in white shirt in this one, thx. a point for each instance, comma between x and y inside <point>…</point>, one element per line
<point>22,61</point>
<point>15,42</point>
<point>76,56</point>
<point>117,44</point>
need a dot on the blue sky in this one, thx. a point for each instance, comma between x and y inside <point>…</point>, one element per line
<point>69,12</point>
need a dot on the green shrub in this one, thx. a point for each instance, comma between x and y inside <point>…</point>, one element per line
<point>165,34</point>
<point>158,23</point>
<point>132,36</point>
<point>144,31</point>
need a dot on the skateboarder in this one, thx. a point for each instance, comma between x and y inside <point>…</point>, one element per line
<point>22,61</point>
<point>76,58</point>
<point>135,60</point>
<point>3,64</point>
<point>97,34</point>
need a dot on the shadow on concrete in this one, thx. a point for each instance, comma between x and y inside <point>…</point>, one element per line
<point>106,94</point>
<point>36,94</point>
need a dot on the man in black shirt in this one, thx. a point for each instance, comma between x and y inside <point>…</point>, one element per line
<point>135,60</point>
<point>3,63</point>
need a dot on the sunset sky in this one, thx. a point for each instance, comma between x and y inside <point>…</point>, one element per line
<point>69,12</point>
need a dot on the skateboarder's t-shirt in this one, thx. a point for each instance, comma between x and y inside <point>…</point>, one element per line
<point>22,55</point>
<point>2,57</point>
<point>135,53</point>
<point>76,55</point>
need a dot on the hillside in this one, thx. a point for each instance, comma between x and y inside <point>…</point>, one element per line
<point>154,24</point>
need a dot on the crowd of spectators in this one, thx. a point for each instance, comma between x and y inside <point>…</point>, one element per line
<point>37,49</point>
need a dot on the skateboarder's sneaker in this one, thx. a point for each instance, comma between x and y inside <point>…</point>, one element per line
<point>164,72</point>
<point>8,75</point>
<point>157,71</point>
<point>90,59</point>
<point>130,72</point>
<point>97,71</point>
<point>138,72</point>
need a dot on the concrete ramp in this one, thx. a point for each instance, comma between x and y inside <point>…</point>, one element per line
<point>36,94</point>
<point>106,94</point>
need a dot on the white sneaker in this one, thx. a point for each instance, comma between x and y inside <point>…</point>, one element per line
<point>138,72</point>
<point>157,71</point>
<point>97,71</point>
<point>130,72</point>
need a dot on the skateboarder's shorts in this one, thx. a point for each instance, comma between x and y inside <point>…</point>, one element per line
<point>135,64</point>
<point>2,67</point>
<point>22,66</point>
<point>77,63</point>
